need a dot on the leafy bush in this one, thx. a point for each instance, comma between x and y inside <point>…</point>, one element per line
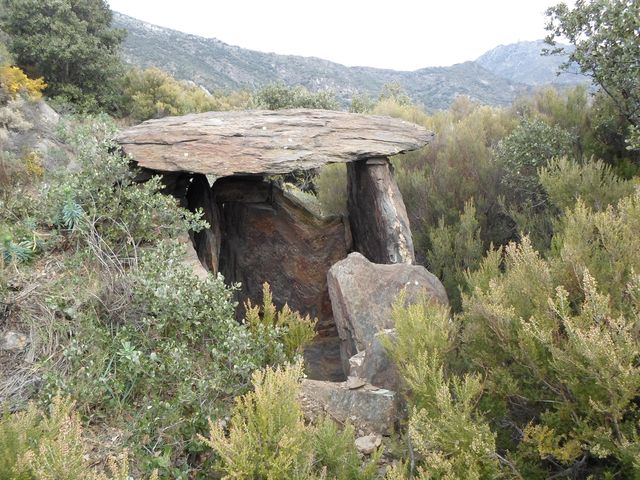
<point>69,43</point>
<point>529,147</point>
<point>277,96</point>
<point>130,334</point>
<point>281,335</point>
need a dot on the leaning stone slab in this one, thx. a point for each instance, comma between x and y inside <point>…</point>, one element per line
<point>362,295</point>
<point>367,408</point>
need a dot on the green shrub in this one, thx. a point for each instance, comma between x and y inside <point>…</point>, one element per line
<point>593,182</point>
<point>538,375</point>
<point>331,185</point>
<point>127,330</point>
<point>458,165</point>
<point>604,243</point>
<point>153,93</point>
<point>451,437</point>
<point>267,437</point>
<point>529,147</point>
<point>49,446</point>
<point>454,250</point>
<point>281,335</point>
<point>277,96</point>
<point>558,336</point>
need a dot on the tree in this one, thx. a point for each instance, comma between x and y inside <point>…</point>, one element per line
<point>277,96</point>
<point>71,44</point>
<point>606,37</point>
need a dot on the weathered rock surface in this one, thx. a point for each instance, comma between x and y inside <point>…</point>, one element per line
<point>207,241</point>
<point>191,259</point>
<point>281,242</point>
<point>379,220</point>
<point>362,295</point>
<point>322,357</point>
<point>374,364</point>
<point>370,409</point>
<point>266,142</point>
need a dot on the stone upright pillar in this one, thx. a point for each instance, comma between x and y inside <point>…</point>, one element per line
<point>378,216</point>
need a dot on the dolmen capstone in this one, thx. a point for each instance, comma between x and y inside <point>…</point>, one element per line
<point>221,163</point>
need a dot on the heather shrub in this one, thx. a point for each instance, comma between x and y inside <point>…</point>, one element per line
<point>537,376</point>
<point>449,435</point>
<point>458,165</point>
<point>267,437</point>
<point>281,335</point>
<point>455,249</point>
<point>593,182</point>
<point>153,93</point>
<point>51,445</point>
<point>331,185</point>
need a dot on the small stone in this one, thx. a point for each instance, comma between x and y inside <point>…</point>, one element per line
<point>13,341</point>
<point>356,361</point>
<point>355,382</point>
<point>368,444</point>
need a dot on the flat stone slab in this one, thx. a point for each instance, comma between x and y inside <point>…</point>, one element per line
<point>367,408</point>
<point>266,142</point>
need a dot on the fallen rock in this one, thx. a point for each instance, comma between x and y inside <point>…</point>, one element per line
<point>362,295</point>
<point>354,382</point>
<point>375,365</point>
<point>368,408</point>
<point>13,341</point>
<point>368,444</point>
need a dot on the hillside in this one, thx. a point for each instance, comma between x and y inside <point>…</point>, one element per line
<point>216,65</point>
<point>523,62</point>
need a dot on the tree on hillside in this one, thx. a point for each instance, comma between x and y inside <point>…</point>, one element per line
<point>606,36</point>
<point>277,96</point>
<point>70,43</point>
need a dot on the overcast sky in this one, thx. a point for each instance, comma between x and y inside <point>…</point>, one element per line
<point>398,34</point>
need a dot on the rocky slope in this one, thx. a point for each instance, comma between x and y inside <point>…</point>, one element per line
<point>216,65</point>
<point>523,62</point>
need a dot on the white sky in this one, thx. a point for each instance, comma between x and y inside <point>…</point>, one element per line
<point>398,34</point>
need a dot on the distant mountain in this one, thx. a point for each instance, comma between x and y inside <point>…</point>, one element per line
<point>523,62</point>
<point>217,65</point>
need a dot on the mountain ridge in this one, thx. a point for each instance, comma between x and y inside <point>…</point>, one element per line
<point>219,66</point>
